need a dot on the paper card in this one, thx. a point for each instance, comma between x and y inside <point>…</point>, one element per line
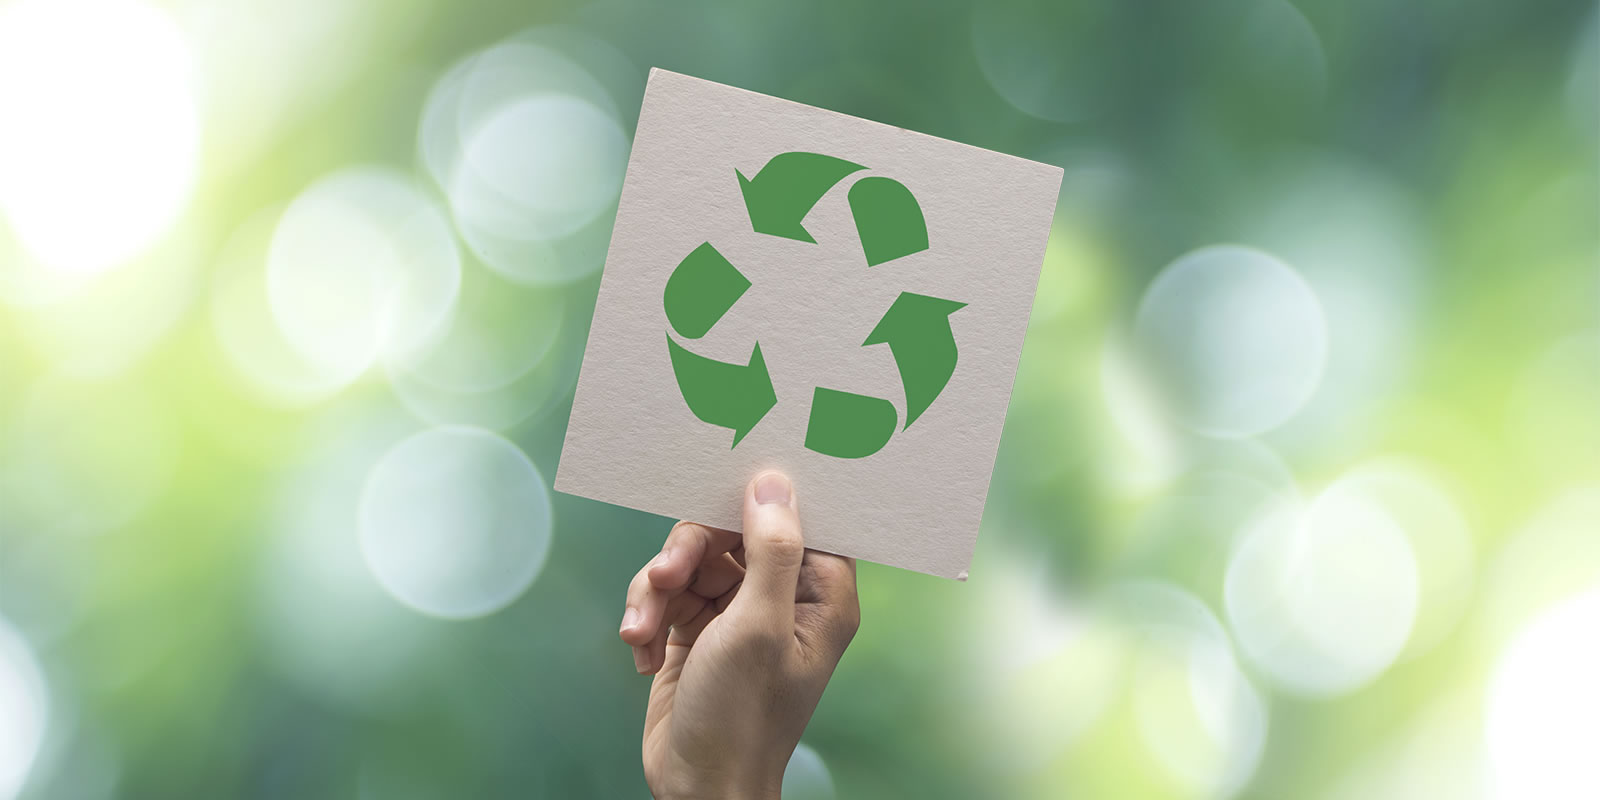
<point>797,289</point>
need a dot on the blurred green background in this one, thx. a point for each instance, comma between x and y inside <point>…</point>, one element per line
<point>1299,494</point>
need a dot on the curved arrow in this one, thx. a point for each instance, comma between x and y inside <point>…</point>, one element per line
<point>700,290</point>
<point>917,330</point>
<point>783,192</point>
<point>846,425</point>
<point>733,396</point>
<point>888,220</point>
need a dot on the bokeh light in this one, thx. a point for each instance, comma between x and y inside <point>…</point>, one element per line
<point>99,148</point>
<point>807,776</point>
<point>1543,713</point>
<point>1235,336</point>
<point>253,345</point>
<point>1184,530</point>
<point>27,712</point>
<point>1042,56</point>
<point>1417,500</point>
<point>1047,668</point>
<point>318,603</point>
<point>1195,710</point>
<point>1141,664</point>
<point>1352,234</point>
<point>362,268</point>
<point>1323,598</point>
<point>455,522</point>
<point>528,146</point>
<point>507,355</point>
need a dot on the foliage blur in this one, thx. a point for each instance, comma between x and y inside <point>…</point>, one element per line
<point>1299,493</point>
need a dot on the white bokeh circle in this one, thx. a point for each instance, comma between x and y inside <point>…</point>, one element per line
<point>1047,669</point>
<point>1235,337</point>
<point>455,522</point>
<point>362,269</point>
<point>540,167</point>
<point>1354,235</point>
<point>527,143</point>
<point>246,333</point>
<point>1195,710</point>
<point>807,776</point>
<point>317,599</point>
<point>1419,501</point>
<point>24,712</point>
<point>1322,599</point>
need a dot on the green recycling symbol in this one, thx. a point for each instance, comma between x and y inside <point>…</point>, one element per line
<point>704,286</point>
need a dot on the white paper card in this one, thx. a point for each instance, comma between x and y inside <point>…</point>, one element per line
<point>807,282</point>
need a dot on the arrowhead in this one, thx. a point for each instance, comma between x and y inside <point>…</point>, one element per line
<point>725,394</point>
<point>769,213</point>
<point>761,399</point>
<point>911,316</point>
<point>780,196</point>
<point>917,330</point>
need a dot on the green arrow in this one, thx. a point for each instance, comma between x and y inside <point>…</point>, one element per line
<point>700,290</point>
<point>917,330</point>
<point>733,396</point>
<point>783,192</point>
<point>845,425</point>
<point>888,220</point>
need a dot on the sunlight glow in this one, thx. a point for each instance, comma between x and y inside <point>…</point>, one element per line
<point>99,146</point>
<point>1543,717</point>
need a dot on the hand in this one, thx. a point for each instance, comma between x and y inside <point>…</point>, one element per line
<point>742,634</point>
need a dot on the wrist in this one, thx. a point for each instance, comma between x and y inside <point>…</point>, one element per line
<point>761,790</point>
<point>711,784</point>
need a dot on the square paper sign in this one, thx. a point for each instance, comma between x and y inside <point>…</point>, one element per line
<point>795,289</point>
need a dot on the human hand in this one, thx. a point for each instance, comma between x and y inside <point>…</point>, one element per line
<point>742,634</point>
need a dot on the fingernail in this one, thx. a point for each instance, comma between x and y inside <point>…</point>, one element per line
<point>773,488</point>
<point>641,660</point>
<point>661,558</point>
<point>630,618</point>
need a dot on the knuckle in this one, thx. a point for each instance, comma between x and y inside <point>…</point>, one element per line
<point>783,540</point>
<point>684,532</point>
<point>639,584</point>
<point>760,642</point>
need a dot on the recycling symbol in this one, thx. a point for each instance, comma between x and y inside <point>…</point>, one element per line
<point>704,286</point>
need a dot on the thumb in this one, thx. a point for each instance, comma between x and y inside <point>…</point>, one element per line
<point>773,551</point>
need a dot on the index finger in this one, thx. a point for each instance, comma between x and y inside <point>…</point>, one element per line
<point>826,579</point>
<point>688,545</point>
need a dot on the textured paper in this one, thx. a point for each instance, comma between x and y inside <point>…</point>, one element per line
<point>916,503</point>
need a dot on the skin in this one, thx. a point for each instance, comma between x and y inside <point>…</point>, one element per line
<point>742,634</point>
